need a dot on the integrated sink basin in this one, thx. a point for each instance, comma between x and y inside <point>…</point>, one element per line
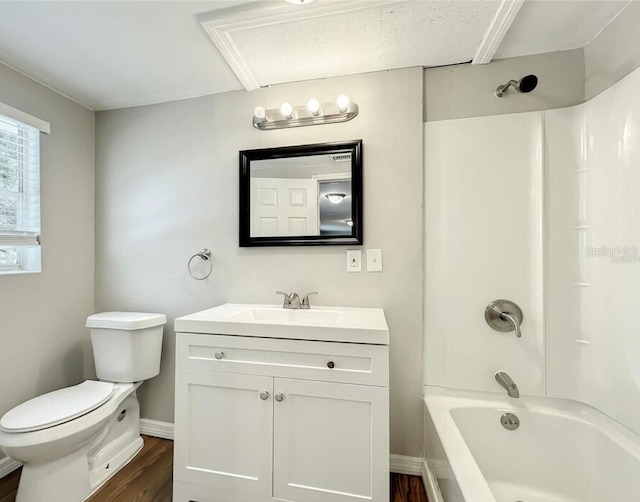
<point>289,316</point>
<point>337,324</point>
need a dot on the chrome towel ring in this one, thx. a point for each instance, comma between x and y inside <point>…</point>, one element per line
<point>204,254</point>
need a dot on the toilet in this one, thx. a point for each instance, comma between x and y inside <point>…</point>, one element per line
<point>72,440</point>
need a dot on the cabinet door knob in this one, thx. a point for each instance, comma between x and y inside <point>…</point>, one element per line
<point>219,355</point>
<point>279,397</point>
<point>331,364</point>
<point>264,395</point>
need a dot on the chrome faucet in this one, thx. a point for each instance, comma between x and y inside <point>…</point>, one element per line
<point>292,300</point>
<point>503,378</point>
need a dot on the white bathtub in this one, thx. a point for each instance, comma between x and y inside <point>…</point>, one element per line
<point>562,451</point>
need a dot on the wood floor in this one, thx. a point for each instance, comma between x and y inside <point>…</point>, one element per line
<point>148,478</point>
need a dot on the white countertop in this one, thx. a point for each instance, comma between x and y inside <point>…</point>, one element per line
<point>329,324</point>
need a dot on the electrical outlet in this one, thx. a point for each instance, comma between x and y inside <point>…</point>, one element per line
<point>374,260</point>
<point>354,260</point>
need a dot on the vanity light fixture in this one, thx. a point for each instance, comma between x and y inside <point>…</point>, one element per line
<point>335,198</point>
<point>314,113</point>
<point>349,222</point>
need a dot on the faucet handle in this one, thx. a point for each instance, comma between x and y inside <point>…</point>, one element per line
<point>287,299</point>
<point>305,300</point>
<point>504,316</point>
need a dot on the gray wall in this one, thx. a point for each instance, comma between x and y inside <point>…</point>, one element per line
<point>44,342</point>
<point>566,78</point>
<point>614,53</point>
<point>167,183</point>
<point>467,90</point>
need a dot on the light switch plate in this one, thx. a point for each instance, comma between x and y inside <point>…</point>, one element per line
<point>374,260</point>
<point>354,260</point>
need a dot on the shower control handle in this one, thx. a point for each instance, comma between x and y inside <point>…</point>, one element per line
<point>504,316</point>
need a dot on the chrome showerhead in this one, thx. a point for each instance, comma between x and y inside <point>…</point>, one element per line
<point>526,84</point>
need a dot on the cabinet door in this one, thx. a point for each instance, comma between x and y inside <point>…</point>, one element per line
<point>331,442</point>
<point>224,430</point>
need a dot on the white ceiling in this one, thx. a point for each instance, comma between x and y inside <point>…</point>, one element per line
<point>546,26</point>
<point>114,54</point>
<point>278,43</point>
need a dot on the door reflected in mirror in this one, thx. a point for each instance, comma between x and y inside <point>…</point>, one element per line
<point>301,195</point>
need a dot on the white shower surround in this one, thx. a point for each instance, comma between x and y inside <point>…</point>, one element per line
<point>513,204</point>
<point>483,241</point>
<point>593,342</point>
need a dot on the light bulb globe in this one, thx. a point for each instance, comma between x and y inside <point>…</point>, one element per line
<point>260,113</point>
<point>286,110</point>
<point>343,103</point>
<point>313,105</point>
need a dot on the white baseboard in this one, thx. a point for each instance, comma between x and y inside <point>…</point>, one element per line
<point>405,465</point>
<point>156,428</point>
<point>7,466</point>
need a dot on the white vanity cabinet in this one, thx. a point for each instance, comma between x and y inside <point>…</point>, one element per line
<point>267,419</point>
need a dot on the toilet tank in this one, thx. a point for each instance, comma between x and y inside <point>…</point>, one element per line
<point>126,345</point>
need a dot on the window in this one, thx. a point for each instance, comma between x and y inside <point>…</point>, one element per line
<point>19,191</point>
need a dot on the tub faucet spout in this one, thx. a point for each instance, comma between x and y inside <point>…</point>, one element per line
<point>503,378</point>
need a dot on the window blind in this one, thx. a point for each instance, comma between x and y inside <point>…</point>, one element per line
<point>19,192</point>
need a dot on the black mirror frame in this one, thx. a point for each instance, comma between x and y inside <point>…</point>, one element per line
<point>247,156</point>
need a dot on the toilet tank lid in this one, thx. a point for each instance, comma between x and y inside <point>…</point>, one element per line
<point>56,407</point>
<point>125,320</point>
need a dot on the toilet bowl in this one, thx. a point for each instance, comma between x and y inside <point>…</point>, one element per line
<point>71,441</point>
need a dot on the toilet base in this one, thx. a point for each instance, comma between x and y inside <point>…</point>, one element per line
<point>37,483</point>
<point>100,476</point>
<point>76,476</point>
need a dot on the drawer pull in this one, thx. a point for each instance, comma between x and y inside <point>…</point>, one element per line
<point>279,397</point>
<point>264,395</point>
<point>219,355</point>
<point>331,364</point>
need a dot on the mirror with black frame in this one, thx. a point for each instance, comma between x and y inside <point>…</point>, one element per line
<point>301,195</point>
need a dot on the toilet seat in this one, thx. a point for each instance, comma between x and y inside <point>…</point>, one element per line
<point>57,407</point>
